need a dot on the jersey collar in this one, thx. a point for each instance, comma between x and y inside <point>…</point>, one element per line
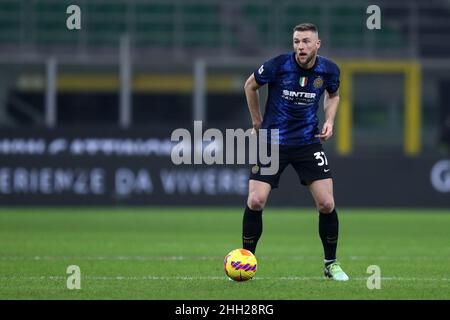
<point>303,69</point>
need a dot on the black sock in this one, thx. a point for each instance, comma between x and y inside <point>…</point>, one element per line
<point>251,229</point>
<point>328,231</point>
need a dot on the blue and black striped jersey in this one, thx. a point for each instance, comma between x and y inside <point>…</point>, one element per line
<point>294,95</point>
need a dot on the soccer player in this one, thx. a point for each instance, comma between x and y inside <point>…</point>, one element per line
<point>296,82</point>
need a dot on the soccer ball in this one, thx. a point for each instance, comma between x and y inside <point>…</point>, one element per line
<point>240,265</point>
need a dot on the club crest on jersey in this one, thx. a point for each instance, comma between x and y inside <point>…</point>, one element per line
<point>303,81</point>
<point>318,83</point>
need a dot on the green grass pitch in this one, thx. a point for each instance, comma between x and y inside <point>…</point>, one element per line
<point>177,253</point>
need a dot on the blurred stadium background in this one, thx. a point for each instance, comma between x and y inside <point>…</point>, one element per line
<point>136,70</point>
<point>86,115</point>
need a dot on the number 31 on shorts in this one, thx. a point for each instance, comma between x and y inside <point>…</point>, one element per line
<point>321,157</point>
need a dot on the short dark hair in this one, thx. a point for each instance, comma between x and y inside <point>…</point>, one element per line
<point>306,27</point>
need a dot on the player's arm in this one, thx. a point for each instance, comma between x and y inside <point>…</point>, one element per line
<point>330,106</point>
<point>251,93</point>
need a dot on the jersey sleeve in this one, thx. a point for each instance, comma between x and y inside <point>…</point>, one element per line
<point>334,82</point>
<point>266,72</point>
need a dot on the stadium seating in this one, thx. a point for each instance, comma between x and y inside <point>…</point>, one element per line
<point>187,24</point>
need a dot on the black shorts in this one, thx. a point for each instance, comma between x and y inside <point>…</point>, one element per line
<point>310,163</point>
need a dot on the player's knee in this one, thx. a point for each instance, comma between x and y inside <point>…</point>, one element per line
<point>326,205</point>
<point>256,202</point>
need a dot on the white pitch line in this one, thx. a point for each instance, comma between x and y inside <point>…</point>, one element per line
<point>209,258</point>
<point>108,258</point>
<point>195,278</point>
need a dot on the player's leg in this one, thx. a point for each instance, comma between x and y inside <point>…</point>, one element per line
<point>311,165</point>
<point>313,169</point>
<point>258,192</point>
<point>322,192</point>
<point>259,188</point>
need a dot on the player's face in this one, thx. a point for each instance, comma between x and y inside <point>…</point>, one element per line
<point>306,44</point>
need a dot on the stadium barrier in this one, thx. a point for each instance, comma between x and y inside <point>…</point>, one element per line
<point>133,167</point>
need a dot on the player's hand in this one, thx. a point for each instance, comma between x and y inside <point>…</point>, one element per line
<point>326,133</point>
<point>256,127</point>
